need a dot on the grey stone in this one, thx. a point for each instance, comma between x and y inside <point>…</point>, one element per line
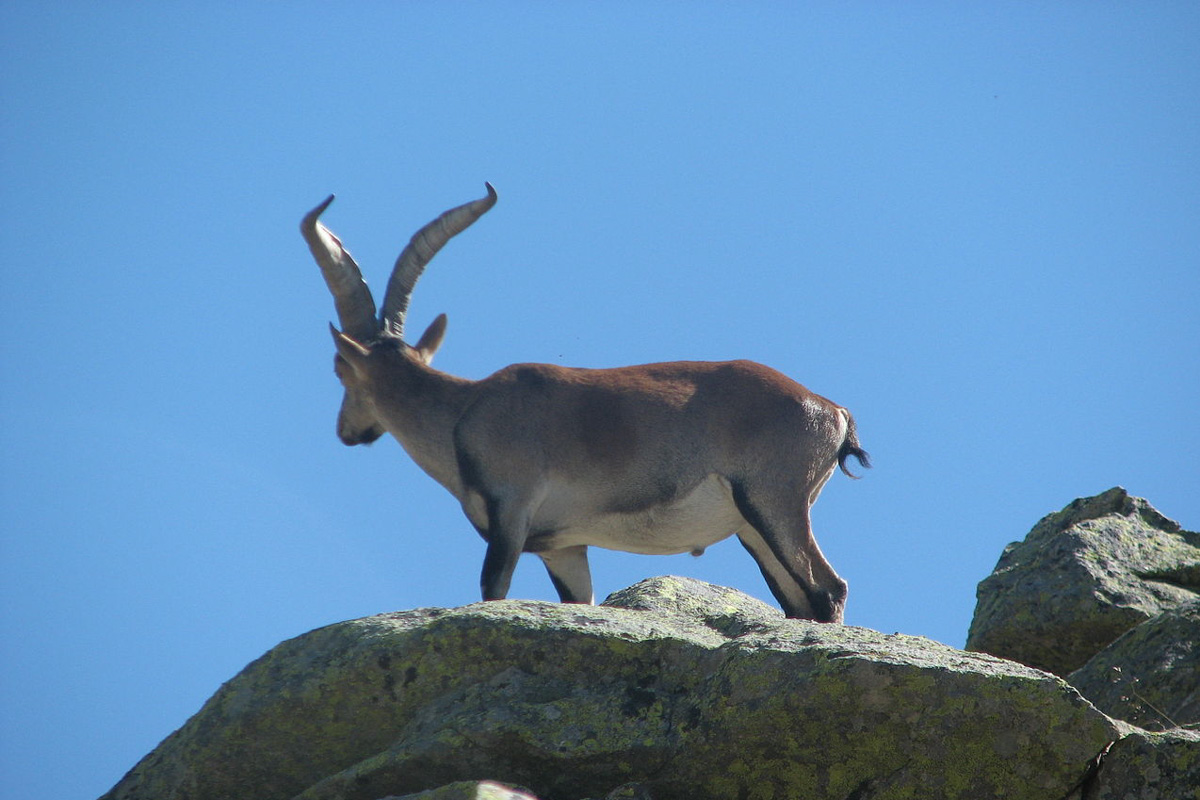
<point>1082,577</point>
<point>700,694</point>
<point>468,790</point>
<point>727,611</point>
<point>1149,766</point>
<point>1150,676</point>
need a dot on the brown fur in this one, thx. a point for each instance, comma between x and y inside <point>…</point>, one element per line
<point>658,458</point>
<point>566,454</point>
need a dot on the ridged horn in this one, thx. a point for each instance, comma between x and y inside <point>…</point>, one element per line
<point>421,248</point>
<point>355,306</point>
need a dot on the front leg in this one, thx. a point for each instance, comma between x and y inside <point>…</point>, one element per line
<point>508,526</point>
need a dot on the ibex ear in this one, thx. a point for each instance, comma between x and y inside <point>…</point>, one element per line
<point>431,339</point>
<point>348,348</point>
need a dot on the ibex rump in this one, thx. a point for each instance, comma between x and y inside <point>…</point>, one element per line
<point>657,459</point>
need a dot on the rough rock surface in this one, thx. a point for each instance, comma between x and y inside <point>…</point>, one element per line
<point>490,790</point>
<point>468,790</point>
<point>1082,577</point>
<point>1148,766</point>
<point>702,693</point>
<point>1150,676</point>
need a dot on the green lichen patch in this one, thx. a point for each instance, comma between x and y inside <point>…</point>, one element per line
<point>1150,676</point>
<point>1081,578</point>
<point>688,692</point>
<point>1149,766</point>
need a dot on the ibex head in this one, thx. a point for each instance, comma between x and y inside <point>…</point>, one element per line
<point>361,330</point>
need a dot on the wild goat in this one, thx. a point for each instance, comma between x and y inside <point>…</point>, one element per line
<point>657,459</point>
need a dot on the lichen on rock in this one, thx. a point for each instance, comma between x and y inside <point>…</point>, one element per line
<point>1150,676</point>
<point>1148,766</point>
<point>689,691</point>
<point>468,790</point>
<point>1082,577</point>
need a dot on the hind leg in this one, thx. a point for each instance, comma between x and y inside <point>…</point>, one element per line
<point>790,594</point>
<point>802,580</point>
<point>569,572</point>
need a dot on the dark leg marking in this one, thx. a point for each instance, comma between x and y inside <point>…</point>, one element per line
<point>819,599</point>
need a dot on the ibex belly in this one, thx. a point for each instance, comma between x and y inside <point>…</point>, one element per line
<point>703,516</point>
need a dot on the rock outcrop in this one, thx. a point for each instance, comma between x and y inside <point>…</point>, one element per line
<point>1081,578</point>
<point>1147,766</point>
<point>1150,676</point>
<point>1108,587</point>
<point>689,691</point>
<point>676,688</point>
<point>468,790</point>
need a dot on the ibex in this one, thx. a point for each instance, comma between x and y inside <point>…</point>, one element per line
<point>657,459</point>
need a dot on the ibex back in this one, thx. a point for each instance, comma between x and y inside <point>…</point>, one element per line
<point>658,458</point>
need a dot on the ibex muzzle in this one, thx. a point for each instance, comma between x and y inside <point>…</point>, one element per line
<point>657,459</point>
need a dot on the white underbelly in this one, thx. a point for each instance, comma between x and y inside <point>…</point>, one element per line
<point>704,516</point>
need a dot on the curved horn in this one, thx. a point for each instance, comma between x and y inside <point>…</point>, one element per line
<point>355,306</point>
<point>421,248</point>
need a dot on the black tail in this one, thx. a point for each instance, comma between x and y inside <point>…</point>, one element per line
<point>850,447</point>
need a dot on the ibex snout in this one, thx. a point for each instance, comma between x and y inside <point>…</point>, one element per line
<point>356,423</point>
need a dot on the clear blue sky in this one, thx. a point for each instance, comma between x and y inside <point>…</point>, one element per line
<point>975,225</point>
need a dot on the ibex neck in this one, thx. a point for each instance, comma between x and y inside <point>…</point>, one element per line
<point>420,408</point>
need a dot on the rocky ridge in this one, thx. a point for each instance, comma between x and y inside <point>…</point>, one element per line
<point>1083,577</point>
<point>676,688</point>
